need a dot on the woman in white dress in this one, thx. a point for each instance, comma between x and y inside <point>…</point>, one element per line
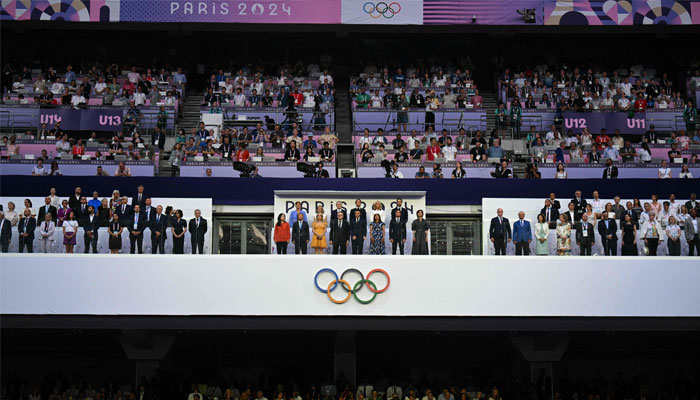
<point>563,236</point>
<point>55,200</point>
<point>591,215</point>
<point>11,214</point>
<point>561,174</point>
<point>598,204</point>
<point>377,209</point>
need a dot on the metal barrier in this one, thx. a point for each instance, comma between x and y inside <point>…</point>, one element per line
<point>452,124</point>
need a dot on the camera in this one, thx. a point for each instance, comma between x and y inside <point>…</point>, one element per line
<point>243,168</point>
<point>386,164</point>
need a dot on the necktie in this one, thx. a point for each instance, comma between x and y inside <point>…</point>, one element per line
<point>158,219</point>
<point>198,223</point>
<point>123,209</point>
<point>339,223</point>
<point>547,213</point>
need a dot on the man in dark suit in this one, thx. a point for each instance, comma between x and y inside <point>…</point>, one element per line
<point>5,233</point>
<point>579,203</point>
<point>147,211</point>
<point>693,203</point>
<point>136,227</point>
<point>607,228</point>
<point>610,171</point>
<point>340,234</point>
<point>572,215</point>
<point>74,200</point>
<point>522,235</point>
<point>358,231</point>
<point>158,226</point>
<point>139,198</point>
<point>633,215</point>
<point>197,228</point>
<point>124,210</point>
<point>551,214</point>
<point>338,208</point>
<point>397,231</point>
<point>555,202</point>
<point>300,234</point>
<point>585,236</point>
<point>400,207</point>
<point>47,209</point>
<point>82,211</point>
<point>26,227</point>
<point>499,233</point>
<point>91,226</point>
<point>363,213</point>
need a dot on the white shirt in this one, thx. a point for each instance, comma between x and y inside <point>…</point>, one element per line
<point>258,88</point>
<point>139,98</point>
<point>239,100</point>
<point>607,102</point>
<point>323,77</point>
<point>376,102</point>
<point>626,88</point>
<point>665,173</point>
<point>70,226</point>
<point>100,86</point>
<point>643,155</point>
<point>77,100</point>
<point>439,82</point>
<point>39,171</point>
<point>133,77</point>
<point>365,139</point>
<point>57,88</point>
<point>449,152</point>
<point>397,174</point>
<point>623,102</point>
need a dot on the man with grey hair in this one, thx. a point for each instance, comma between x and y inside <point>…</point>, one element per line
<point>5,233</point>
<point>197,228</point>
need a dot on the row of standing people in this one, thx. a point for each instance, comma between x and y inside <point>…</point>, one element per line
<point>351,229</point>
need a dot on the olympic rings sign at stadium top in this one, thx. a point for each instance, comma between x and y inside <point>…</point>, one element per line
<point>381,9</point>
<point>352,289</point>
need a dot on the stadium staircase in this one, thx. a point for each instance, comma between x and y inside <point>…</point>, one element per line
<point>343,118</point>
<point>489,103</point>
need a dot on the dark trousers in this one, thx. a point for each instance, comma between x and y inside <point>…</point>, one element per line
<point>693,244</point>
<point>585,247</point>
<point>357,245</point>
<point>197,245</point>
<point>90,242</point>
<point>157,242</point>
<point>399,244</point>
<point>522,248</point>
<point>281,247</point>
<point>136,240</point>
<point>499,246</point>
<point>26,241</point>
<point>300,248</point>
<point>610,247</point>
<point>340,248</point>
<point>178,245</point>
<point>5,247</point>
<point>652,244</point>
<point>674,248</point>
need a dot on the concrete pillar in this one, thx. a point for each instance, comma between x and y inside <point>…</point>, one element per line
<point>541,350</point>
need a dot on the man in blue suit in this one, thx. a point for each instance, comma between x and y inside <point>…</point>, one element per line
<point>522,235</point>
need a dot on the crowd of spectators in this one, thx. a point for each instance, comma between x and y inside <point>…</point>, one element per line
<point>633,89</point>
<point>111,84</point>
<point>66,214</point>
<point>650,224</point>
<point>257,90</point>
<point>421,87</point>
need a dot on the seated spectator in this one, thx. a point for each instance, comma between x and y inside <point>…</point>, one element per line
<point>421,174</point>
<point>39,169</point>
<point>538,151</point>
<point>416,154</point>
<point>366,153</point>
<point>242,153</point>
<point>611,152</point>
<point>398,142</point>
<point>379,139</point>
<point>496,151</point>
<point>502,171</point>
<point>664,171</point>
<point>561,173</point>
<point>292,152</point>
<point>674,154</point>
<point>122,170</point>
<point>437,171</point>
<point>395,173</point>
<point>310,142</point>
<point>433,151</point>
<point>477,153</point>
<point>628,153</point>
<point>55,170</point>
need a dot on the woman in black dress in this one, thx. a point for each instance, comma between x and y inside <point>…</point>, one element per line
<point>629,237</point>
<point>115,230</point>
<point>178,228</point>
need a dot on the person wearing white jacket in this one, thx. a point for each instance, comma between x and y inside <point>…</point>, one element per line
<point>47,229</point>
<point>652,233</point>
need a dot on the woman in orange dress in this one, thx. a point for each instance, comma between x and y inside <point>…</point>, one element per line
<point>318,241</point>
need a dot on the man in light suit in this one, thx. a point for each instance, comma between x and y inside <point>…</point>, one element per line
<point>158,226</point>
<point>5,233</point>
<point>197,228</point>
<point>522,235</point>
<point>607,228</point>
<point>692,232</point>
<point>340,234</point>
<point>300,235</point>
<point>585,237</point>
<point>397,231</point>
<point>499,233</point>
<point>358,231</point>
<point>91,227</point>
<point>136,227</point>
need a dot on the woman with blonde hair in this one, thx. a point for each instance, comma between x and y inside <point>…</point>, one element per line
<point>318,240</point>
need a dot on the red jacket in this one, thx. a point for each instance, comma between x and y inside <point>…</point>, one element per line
<point>282,232</point>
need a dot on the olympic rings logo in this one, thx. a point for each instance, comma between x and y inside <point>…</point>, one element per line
<point>352,289</point>
<point>381,9</point>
